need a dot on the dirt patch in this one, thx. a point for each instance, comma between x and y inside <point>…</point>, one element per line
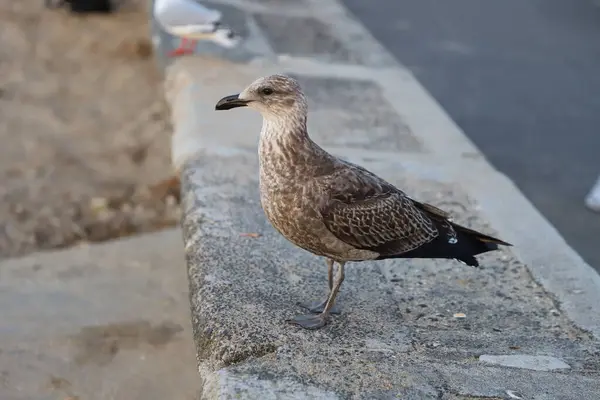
<point>84,128</point>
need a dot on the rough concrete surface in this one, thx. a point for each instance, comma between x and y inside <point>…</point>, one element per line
<point>398,336</point>
<point>107,321</point>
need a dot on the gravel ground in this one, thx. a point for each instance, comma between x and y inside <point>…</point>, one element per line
<point>84,129</point>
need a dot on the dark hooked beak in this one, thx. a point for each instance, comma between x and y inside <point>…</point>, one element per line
<point>229,102</point>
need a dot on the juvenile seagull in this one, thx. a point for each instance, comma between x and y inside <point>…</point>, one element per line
<point>191,21</point>
<point>337,209</point>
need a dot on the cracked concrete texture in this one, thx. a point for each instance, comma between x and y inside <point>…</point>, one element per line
<point>107,321</point>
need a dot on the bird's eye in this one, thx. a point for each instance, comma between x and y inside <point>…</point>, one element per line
<point>267,91</point>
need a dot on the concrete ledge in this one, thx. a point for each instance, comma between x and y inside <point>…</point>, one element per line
<point>397,337</point>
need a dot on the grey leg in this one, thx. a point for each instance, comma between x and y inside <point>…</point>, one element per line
<point>318,307</point>
<point>312,321</point>
<point>330,263</point>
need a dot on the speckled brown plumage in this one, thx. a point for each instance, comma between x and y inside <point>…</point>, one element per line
<point>334,208</point>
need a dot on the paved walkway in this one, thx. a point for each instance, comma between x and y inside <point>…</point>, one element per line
<point>100,322</point>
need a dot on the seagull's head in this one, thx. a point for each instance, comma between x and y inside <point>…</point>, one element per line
<point>274,96</point>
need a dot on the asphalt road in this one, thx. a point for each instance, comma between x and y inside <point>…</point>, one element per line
<point>522,79</point>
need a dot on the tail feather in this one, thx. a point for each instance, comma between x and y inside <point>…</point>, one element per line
<point>458,243</point>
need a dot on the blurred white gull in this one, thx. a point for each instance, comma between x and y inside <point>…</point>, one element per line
<point>191,21</point>
<point>592,200</point>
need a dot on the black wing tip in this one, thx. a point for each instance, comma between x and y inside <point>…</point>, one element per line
<point>493,241</point>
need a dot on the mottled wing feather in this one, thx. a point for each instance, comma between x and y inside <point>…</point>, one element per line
<point>388,223</point>
<point>432,210</point>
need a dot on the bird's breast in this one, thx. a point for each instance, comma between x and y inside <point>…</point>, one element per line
<point>291,213</point>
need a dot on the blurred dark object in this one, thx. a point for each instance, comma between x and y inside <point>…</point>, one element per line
<point>84,6</point>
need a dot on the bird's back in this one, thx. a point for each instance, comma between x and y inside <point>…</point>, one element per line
<point>175,13</point>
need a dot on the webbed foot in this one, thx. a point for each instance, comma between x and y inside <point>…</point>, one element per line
<point>309,321</point>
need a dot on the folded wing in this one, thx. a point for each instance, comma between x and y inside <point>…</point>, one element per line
<point>387,223</point>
